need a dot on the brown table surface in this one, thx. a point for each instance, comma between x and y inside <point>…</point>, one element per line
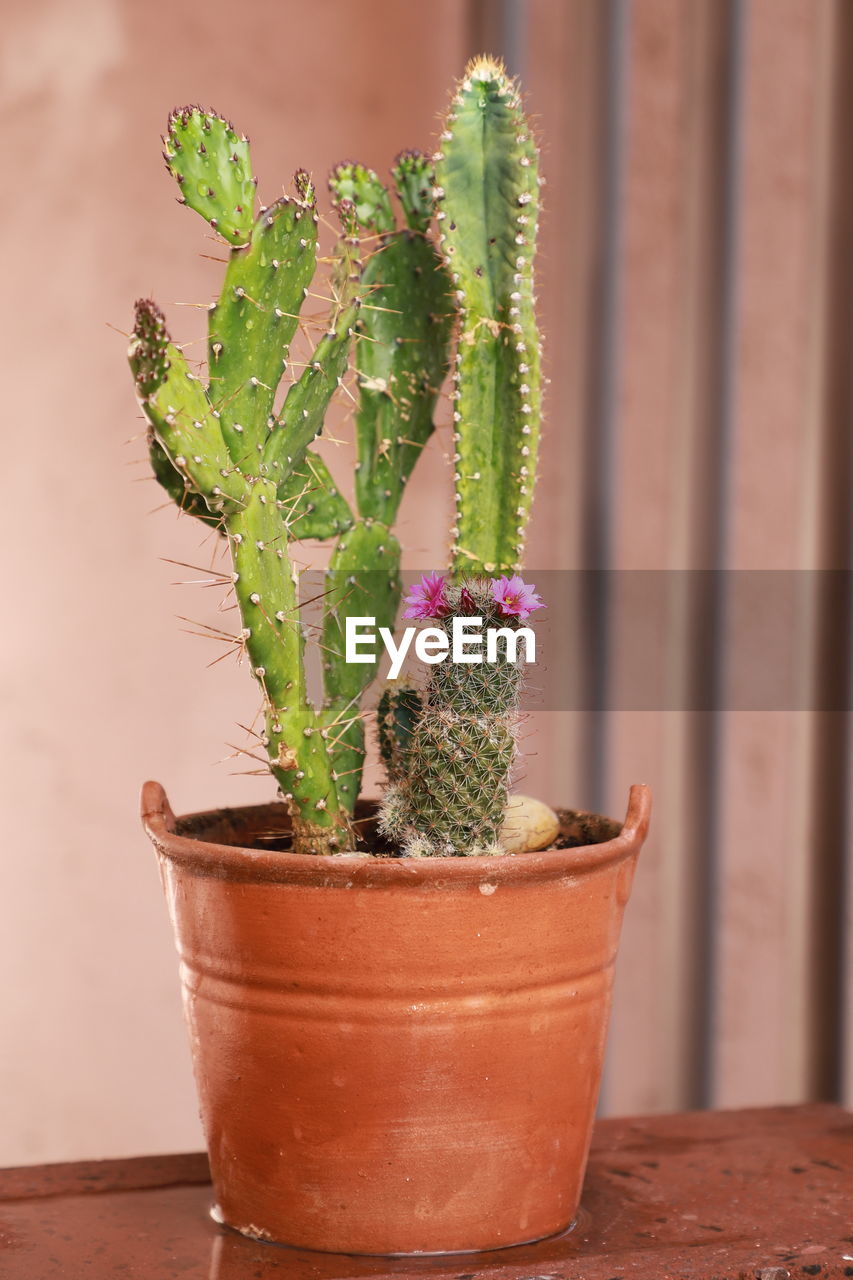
<point>725,1195</point>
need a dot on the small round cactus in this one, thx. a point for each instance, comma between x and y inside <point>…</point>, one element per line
<point>456,744</point>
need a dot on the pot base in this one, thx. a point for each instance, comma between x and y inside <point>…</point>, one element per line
<point>248,1234</point>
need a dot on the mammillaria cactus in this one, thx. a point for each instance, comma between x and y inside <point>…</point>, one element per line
<point>450,762</point>
<point>235,453</point>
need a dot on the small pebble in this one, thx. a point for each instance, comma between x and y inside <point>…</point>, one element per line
<point>528,825</point>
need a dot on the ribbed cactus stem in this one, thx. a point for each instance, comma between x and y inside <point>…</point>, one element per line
<point>188,435</point>
<point>183,421</point>
<point>362,581</point>
<point>251,327</point>
<point>304,409</point>
<point>397,714</point>
<point>272,636</point>
<point>311,503</point>
<point>455,755</point>
<point>404,329</point>
<point>488,188</point>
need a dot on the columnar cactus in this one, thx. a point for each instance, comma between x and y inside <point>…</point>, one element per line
<point>226,454</point>
<point>488,187</point>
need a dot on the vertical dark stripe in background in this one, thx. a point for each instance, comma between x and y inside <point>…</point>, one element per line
<point>828,1008</point>
<point>709,666</point>
<point>515,19</point>
<point>602,414</point>
<point>500,27</point>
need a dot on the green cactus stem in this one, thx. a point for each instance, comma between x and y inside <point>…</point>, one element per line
<point>180,414</point>
<point>488,189</point>
<point>312,506</point>
<point>369,198</point>
<point>210,162</point>
<point>182,420</point>
<point>398,711</point>
<point>311,503</point>
<point>405,325</point>
<point>454,764</point>
<point>414,180</point>
<point>304,409</point>
<point>363,580</point>
<point>401,367</point>
<point>403,331</point>
<point>252,325</point>
<point>273,638</point>
<point>250,330</point>
<point>177,486</point>
<point>305,405</point>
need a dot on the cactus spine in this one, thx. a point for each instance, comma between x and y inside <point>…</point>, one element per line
<point>227,456</point>
<point>488,187</point>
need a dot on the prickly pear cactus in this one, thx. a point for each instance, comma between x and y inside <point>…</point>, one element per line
<point>488,188</point>
<point>229,453</point>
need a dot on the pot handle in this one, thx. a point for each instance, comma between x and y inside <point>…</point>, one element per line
<point>155,810</point>
<point>636,824</point>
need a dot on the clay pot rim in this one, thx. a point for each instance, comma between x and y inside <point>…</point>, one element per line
<point>233,862</point>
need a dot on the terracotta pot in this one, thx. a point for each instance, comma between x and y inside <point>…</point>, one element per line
<point>395,1056</point>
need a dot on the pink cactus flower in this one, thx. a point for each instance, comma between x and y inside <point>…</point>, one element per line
<point>514,598</point>
<point>426,598</point>
<point>467,603</point>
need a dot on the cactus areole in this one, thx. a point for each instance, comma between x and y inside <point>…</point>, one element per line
<point>397,1009</point>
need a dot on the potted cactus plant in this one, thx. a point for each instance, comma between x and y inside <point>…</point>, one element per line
<point>397,1012</point>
